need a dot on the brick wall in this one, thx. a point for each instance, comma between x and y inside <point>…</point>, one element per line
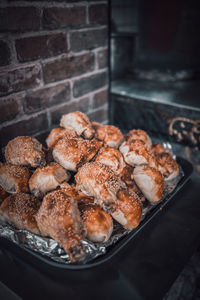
<point>53,60</point>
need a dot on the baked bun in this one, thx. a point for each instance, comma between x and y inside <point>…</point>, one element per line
<point>25,151</point>
<point>79,122</point>
<point>98,180</point>
<point>98,223</point>
<point>138,134</point>
<point>110,135</point>
<point>112,158</point>
<point>150,181</point>
<point>59,218</point>
<point>14,179</point>
<point>47,179</point>
<point>128,210</point>
<point>59,133</point>
<point>20,209</point>
<point>72,153</point>
<point>136,153</point>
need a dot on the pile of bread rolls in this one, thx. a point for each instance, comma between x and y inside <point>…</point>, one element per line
<point>89,175</point>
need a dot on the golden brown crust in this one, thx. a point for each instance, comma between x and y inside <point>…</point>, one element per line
<point>14,179</point>
<point>47,179</point>
<point>3,194</point>
<point>136,153</point>
<point>95,125</point>
<point>110,135</point>
<point>98,223</point>
<point>79,122</point>
<point>59,218</point>
<point>157,148</point>
<point>150,181</point>
<point>20,209</point>
<point>58,133</point>
<point>25,151</point>
<point>129,209</point>
<point>138,134</point>
<point>127,176</point>
<point>112,158</point>
<point>72,153</point>
<point>99,181</point>
<point>170,168</point>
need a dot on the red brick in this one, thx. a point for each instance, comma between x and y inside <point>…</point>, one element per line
<point>19,79</point>
<point>98,14</point>
<point>35,47</point>
<point>102,59</point>
<point>9,109</point>
<point>58,112</point>
<point>29,127</point>
<point>100,115</point>
<point>19,19</point>
<point>5,55</point>
<point>89,84</point>
<point>88,39</point>
<point>54,17</point>
<point>99,99</point>
<point>68,67</point>
<point>82,104</point>
<point>46,97</point>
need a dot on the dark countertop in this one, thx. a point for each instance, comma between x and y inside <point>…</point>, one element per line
<point>144,269</point>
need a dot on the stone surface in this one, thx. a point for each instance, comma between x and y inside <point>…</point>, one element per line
<point>19,19</point>
<point>98,13</point>
<point>68,67</point>
<point>100,115</point>
<point>54,17</point>
<point>28,126</point>
<point>9,109</point>
<point>102,58</point>
<point>42,46</point>
<point>88,39</point>
<point>19,79</point>
<point>90,83</point>
<point>46,97</point>
<point>5,54</point>
<point>99,99</point>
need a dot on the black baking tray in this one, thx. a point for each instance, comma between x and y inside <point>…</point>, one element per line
<point>32,256</point>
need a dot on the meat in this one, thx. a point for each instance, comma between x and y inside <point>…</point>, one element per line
<point>59,218</point>
<point>150,181</point>
<point>79,122</point>
<point>47,179</point>
<point>110,135</point>
<point>14,179</point>
<point>97,180</point>
<point>20,209</point>
<point>25,151</point>
<point>128,209</point>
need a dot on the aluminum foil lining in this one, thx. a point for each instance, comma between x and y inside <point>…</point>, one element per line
<point>51,249</point>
